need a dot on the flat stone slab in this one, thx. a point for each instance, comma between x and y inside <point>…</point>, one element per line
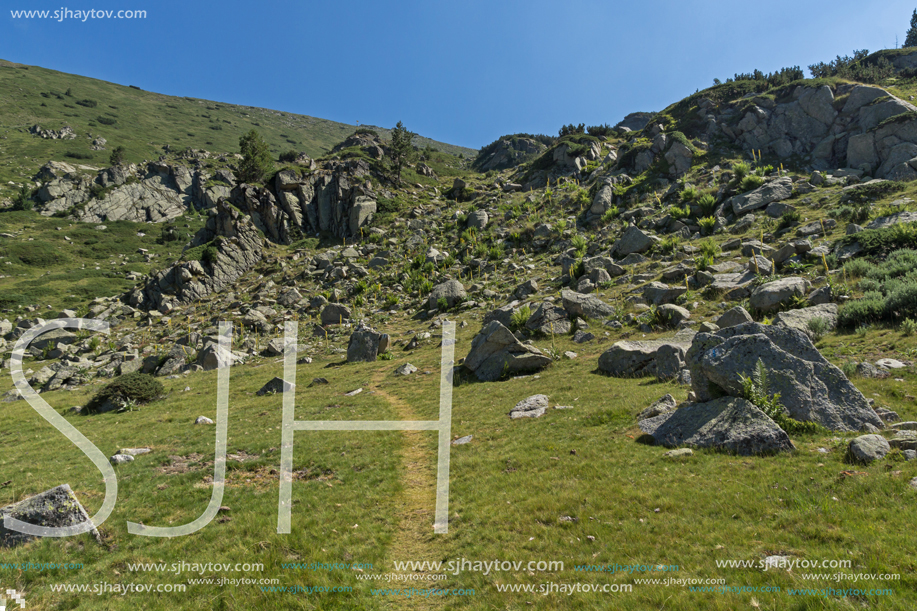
<point>531,407</point>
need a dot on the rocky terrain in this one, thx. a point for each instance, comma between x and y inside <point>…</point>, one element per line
<point>749,253</point>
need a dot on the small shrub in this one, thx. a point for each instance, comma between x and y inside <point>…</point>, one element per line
<point>709,247</point>
<point>106,120</point>
<point>703,262</point>
<point>750,183</point>
<point>690,194</point>
<point>818,328</point>
<point>669,244</point>
<point>679,213</point>
<point>209,254</point>
<point>707,224</point>
<point>579,243</point>
<point>741,170</point>
<point>135,388</point>
<point>609,214</point>
<point>789,218</point>
<point>707,204</point>
<point>442,304</point>
<point>909,326</point>
<point>520,317</point>
<point>88,103</point>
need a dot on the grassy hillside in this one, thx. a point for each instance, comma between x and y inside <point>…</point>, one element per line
<point>140,121</point>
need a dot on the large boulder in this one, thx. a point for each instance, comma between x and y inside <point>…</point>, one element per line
<point>727,423</point>
<point>635,359</point>
<point>585,306</point>
<point>811,389</point>
<point>364,345</point>
<point>769,296</point>
<point>733,317</point>
<point>633,240</point>
<point>801,318</point>
<point>54,508</point>
<point>867,448</point>
<point>335,314</point>
<point>451,290</point>
<point>658,293</point>
<point>548,319</point>
<point>496,352</point>
<point>773,191</point>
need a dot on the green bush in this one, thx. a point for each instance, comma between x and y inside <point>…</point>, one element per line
<point>520,317</point>
<point>707,224</point>
<point>106,120</point>
<point>579,243</point>
<point>690,194</point>
<point>909,326</point>
<point>679,213</point>
<point>788,219</point>
<point>707,204</point>
<point>135,388</point>
<point>88,103</point>
<point>751,182</point>
<point>741,170</point>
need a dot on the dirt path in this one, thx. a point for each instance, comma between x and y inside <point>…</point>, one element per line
<point>414,540</point>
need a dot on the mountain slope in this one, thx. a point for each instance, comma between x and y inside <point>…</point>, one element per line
<point>140,121</point>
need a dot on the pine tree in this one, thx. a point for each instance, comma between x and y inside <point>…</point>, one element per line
<point>911,40</point>
<point>257,162</point>
<point>400,149</point>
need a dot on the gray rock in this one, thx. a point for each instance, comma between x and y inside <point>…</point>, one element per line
<point>55,508</point>
<point>276,385</point>
<point>529,287</point>
<point>662,405</point>
<point>203,420</point>
<point>658,293</point>
<point>800,319</point>
<point>811,389</point>
<point>364,345</point>
<point>633,240</point>
<point>867,448</point>
<point>495,351</point>
<point>548,319</point>
<point>890,364</point>
<point>134,451</point>
<point>736,316</point>
<point>176,360</point>
<point>531,407</point>
<point>772,191</point>
<point>673,315</point>
<point>770,296</point>
<point>214,357</point>
<point>727,423</point>
<point>463,440</point>
<point>679,453</point>
<point>335,314</point>
<point>120,459</point>
<point>585,306</point>
<point>406,369</point>
<point>451,290</point>
<point>477,220</point>
<point>670,361</point>
<point>635,359</point>
<point>581,337</point>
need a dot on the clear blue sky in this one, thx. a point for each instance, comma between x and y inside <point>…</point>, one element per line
<point>461,72</point>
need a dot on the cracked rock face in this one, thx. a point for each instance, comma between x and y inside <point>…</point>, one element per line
<point>811,388</point>
<point>238,247</point>
<point>55,508</point>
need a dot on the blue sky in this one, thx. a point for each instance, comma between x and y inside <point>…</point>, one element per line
<point>461,72</point>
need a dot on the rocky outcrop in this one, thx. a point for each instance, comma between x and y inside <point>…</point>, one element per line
<point>508,153</point>
<point>811,389</point>
<point>231,246</point>
<point>727,423</point>
<point>496,352</point>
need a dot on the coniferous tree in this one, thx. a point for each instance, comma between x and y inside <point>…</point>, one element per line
<point>400,149</point>
<point>257,162</point>
<point>911,39</point>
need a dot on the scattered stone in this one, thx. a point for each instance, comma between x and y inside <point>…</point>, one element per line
<point>276,385</point>
<point>353,393</point>
<point>134,451</point>
<point>679,453</point>
<point>452,291</point>
<point>317,382</point>
<point>770,296</point>
<point>365,344</point>
<point>120,459</point>
<point>531,407</point>
<point>801,318</point>
<point>585,306</point>
<point>867,448</point>
<point>581,337</point>
<point>663,405</point>
<point>406,369</point>
<point>890,364</point>
<point>735,316</point>
<point>462,440</point>
<point>203,420</point>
